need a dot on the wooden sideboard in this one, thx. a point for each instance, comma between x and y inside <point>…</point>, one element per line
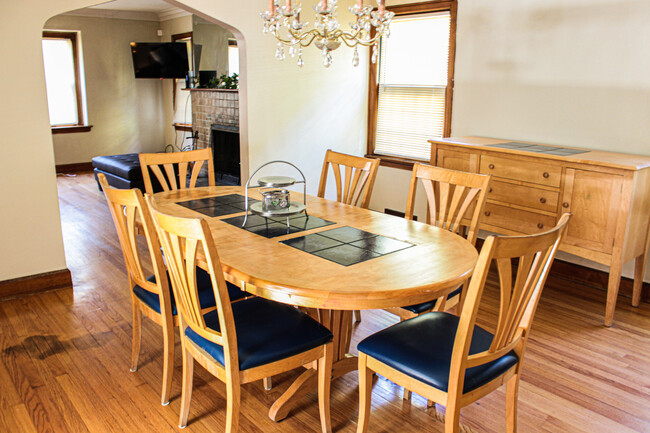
<point>608,194</point>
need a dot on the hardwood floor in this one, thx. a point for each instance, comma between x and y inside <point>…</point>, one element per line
<point>65,355</point>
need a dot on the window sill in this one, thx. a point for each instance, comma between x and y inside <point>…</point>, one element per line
<point>70,129</point>
<point>397,161</point>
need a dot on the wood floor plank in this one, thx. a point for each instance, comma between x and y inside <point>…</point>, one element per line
<point>65,358</point>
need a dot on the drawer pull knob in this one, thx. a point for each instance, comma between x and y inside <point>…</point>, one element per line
<point>542,200</point>
<point>546,175</point>
<point>487,213</point>
<point>491,166</point>
<point>565,204</point>
<point>490,190</point>
<point>540,225</point>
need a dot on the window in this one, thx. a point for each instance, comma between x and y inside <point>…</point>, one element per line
<point>233,57</point>
<point>410,100</point>
<point>64,82</point>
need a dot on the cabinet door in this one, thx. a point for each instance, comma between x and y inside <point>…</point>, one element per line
<point>595,200</point>
<point>457,160</point>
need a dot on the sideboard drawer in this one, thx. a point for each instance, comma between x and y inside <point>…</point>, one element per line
<point>526,171</point>
<point>536,198</point>
<point>516,220</point>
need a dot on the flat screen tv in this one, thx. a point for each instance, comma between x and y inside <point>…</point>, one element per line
<point>159,59</point>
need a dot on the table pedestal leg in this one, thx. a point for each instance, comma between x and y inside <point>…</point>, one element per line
<point>339,322</point>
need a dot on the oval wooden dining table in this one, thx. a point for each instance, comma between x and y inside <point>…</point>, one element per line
<point>434,263</point>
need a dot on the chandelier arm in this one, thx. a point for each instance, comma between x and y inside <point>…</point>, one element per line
<point>352,40</point>
<point>296,38</point>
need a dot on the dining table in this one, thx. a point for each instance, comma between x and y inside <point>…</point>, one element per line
<point>329,260</point>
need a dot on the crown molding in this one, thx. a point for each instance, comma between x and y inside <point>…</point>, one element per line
<point>171,13</point>
<point>115,14</point>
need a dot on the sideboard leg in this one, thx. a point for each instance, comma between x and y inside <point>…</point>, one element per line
<point>612,291</point>
<point>639,273</point>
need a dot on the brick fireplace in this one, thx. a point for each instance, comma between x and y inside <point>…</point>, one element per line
<point>215,117</point>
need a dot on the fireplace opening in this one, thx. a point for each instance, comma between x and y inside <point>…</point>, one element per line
<point>225,151</point>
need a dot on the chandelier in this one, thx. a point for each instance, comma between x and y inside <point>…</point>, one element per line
<point>284,23</point>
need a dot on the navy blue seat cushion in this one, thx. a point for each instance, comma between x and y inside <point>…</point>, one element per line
<point>422,347</point>
<point>426,306</point>
<point>267,331</point>
<point>126,166</point>
<point>206,294</point>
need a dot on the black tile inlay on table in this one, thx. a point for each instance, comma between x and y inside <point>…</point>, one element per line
<point>273,227</point>
<point>347,245</point>
<point>218,206</point>
<point>550,150</point>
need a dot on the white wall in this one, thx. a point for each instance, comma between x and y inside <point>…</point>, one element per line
<point>285,112</point>
<point>126,113</point>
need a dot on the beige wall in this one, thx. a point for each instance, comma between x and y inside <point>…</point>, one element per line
<point>214,45</point>
<point>125,113</point>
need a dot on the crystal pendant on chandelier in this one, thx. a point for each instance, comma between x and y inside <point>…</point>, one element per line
<point>279,53</point>
<point>283,22</point>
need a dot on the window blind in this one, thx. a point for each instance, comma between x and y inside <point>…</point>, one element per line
<point>413,70</point>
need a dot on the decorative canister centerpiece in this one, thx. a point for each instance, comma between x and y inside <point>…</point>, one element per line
<point>275,199</point>
<point>275,202</point>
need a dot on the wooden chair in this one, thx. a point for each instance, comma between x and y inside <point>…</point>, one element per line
<point>239,342</point>
<point>176,166</point>
<point>455,203</point>
<point>150,296</point>
<point>451,360</point>
<point>360,174</point>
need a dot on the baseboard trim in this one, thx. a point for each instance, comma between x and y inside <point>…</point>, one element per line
<point>35,284</point>
<point>74,168</point>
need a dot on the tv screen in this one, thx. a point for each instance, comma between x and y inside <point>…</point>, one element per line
<point>159,59</point>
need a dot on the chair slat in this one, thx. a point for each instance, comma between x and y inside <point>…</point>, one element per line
<point>171,176</point>
<point>196,169</point>
<point>454,216</point>
<point>431,200</point>
<point>161,178</point>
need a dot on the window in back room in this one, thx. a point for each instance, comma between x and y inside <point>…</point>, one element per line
<point>64,80</point>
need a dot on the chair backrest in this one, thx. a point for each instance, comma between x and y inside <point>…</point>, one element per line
<point>518,301</point>
<point>455,198</point>
<point>176,166</point>
<point>360,174</point>
<point>181,240</point>
<point>131,216</point>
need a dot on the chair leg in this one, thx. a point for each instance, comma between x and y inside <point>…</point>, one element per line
<point>357,316</point>
<point>137,336</point>
<point>324,382</point>
<point>186,394</point>
<point>268,383</point>
<point>168,360</point>
<point>452,417</point>
<point>512,393</point>
<point>233,396</point>
<point>365,393</point>
<point>407,394</point>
